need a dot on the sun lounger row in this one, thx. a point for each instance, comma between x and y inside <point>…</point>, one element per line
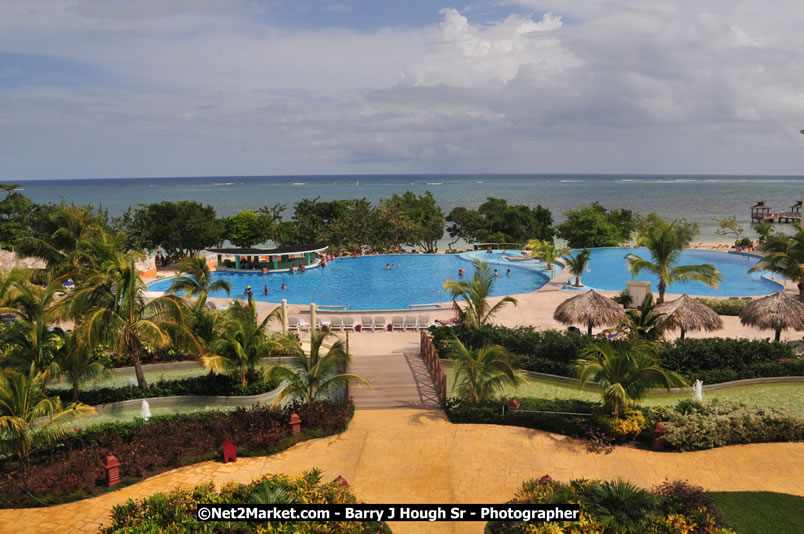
<point>367,322</point>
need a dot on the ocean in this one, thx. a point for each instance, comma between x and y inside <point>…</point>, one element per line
<point>696,198</point>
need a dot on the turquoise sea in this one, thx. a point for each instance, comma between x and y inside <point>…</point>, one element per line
<point>696,198</point>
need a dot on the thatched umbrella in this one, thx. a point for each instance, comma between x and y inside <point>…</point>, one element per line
<point>591,309</point>
<point>777,311</point>
<point>687,314</point>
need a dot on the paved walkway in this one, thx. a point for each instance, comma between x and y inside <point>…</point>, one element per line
<point>417,456</point>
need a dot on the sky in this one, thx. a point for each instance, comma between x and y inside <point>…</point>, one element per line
<point>128,88</point>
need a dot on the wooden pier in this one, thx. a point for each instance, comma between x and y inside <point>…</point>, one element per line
<point>762,212</point>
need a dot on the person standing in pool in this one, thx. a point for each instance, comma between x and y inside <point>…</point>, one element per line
<point>496,274</point>
<point>265,290</point>
<point>387,266</point>
<point>508,272</point>
<point>284,287</point>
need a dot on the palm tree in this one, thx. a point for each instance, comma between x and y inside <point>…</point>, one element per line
<point>243,342</point>
<point>664,242</point>
<point>28,417</point>
<point>196,280</point>
<point>785,256</point>
<point>642,323</point>
<point>481,374</point>
<point>477,311</point>
<point>577,264</point>
<point>8,283</point>
<point>310,376</point>
<point>546,251</point>
<point>77,363</point>
<point>625,371</point>
<point>114,313</point>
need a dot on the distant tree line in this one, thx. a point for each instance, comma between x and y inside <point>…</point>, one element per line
<point>408,220</point>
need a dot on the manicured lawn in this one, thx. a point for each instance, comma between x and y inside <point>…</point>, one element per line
<point>761,512</point>
<point>789,395</point>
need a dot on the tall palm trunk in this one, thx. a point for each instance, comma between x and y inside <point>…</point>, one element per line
<point>662,287</point>
<point>135,350</point>
<point>801,290</point>
<point>75,390</point>
<point>577,280</point>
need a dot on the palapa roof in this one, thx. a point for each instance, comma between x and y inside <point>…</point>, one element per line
<point>589,308</point>
<point>759,204</point>
<point>687,313</point>
<point>774,311</point>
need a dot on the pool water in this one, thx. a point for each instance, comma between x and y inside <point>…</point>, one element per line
<point>364,283</point>
<point>607,270</point>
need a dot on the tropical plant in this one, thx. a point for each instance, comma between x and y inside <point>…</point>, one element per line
<point>195,280</point>
<point>577,263</point>
<point>642,323</point>
<point>483,373</point>
<point>620,506</point>
<point>33,335</point>
<point>477,311</point>
<point>28,417</point>
<point>243,342</point>
<point>785,256</point>
<point>309,377</point>
<point>114,313</point>
<point>546,251</point>
<point>764,230</point>
<point>625,372</point>
<point>664,242</point>
<point>78,363</point>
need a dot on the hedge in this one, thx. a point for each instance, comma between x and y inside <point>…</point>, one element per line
<point>72,468</point>
<point>712,360</point>
<point>689,425</point>
<point>209,384</point>
<point>717,424</point>
<point>175,511</point>
<point>460,411</point>
<point>726,307</point>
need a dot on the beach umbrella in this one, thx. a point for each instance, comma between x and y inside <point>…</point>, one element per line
<point>591,309</point>
<point>778,312</point>
<point>687,313</point>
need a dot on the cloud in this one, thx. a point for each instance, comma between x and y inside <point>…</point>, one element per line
<point>217,87</point>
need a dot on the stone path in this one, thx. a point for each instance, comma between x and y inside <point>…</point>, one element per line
<point>417,456</point>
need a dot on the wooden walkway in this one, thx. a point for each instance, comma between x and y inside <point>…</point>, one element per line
<point>398,375</point>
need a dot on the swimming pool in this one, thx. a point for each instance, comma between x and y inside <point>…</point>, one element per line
<point>607,270</point>
<point>364,283</point>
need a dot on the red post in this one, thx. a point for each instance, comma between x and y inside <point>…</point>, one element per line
<point>658,436</point>
<point>295,422</point>
<point>229,451</point>
<point>112,467</point>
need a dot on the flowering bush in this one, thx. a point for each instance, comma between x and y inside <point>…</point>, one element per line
<point>615,507</point>
<point>597,441</point>
<point>624,428</point>
<point>175,511</point>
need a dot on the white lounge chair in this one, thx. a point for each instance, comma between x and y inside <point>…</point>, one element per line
<point>349,323</point>
<point>367,322</point>
<point>411,322</point>
<point>322,324</point>
<point>380,324</point>
<point>397,322</point>
<point>424,322</point>
<point>293,324</point>
<point>336,323</point>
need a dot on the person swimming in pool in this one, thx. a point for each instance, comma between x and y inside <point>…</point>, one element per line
<point>387,266</point>
<point>508,272</point>
<point>284,287</point>
<point>460,272</point>
<point>496,274</point>
<point>265,290</point>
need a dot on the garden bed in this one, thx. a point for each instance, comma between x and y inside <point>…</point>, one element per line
<point>72,468</point>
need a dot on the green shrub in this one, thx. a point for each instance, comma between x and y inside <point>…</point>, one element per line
<point>209,384</point>
<point>718,424</point>
<point>712,360</point>
<point>624,428</point>
<point>175,511</point>
<point>530,414</point>
<point>726,307</point>
<point>617,507</point>
<point>624,299</point>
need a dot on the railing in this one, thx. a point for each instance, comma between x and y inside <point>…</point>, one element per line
<point>339,304</point>
<point>433,362</point>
